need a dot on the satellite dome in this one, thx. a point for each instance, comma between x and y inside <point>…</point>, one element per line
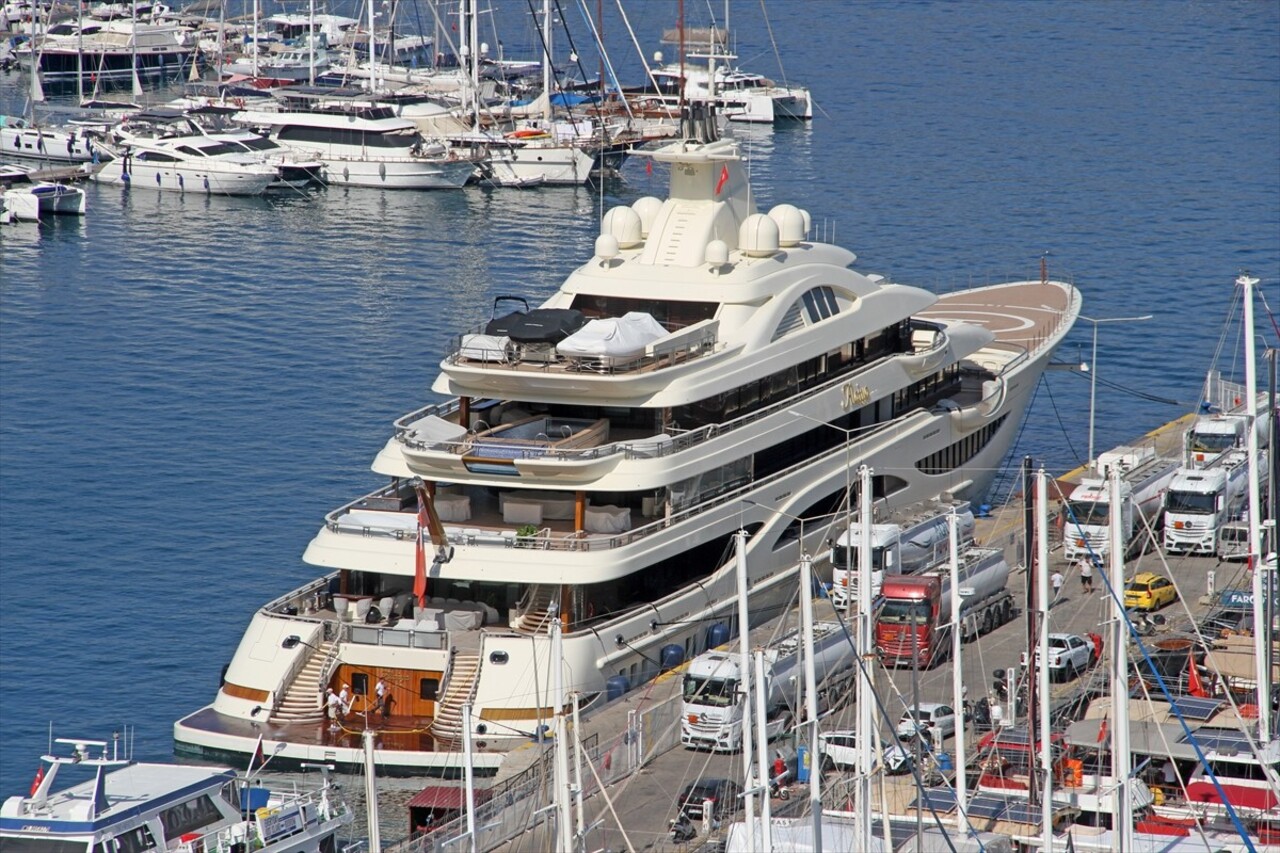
<point>623,224</point>
<point>717,253</point>
<point>758,236</point>
<point>790,222</point>
<point>647,207</point>
<point>606,247</point>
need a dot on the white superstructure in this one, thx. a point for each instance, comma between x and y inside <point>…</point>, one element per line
<point>597,479</point>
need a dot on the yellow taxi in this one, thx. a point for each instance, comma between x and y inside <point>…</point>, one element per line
<point>1149,591</point>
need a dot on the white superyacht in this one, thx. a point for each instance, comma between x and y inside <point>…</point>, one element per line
<point>710,369</point>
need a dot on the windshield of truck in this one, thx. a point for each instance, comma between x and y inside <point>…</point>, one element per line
<point>1197,503</point>
<point>1087,512</point>
<point>718,692</point>
<point>905,612</point>
<point>1212,442</point>
<point>845,557</point>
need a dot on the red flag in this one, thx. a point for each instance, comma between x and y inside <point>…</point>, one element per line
<point>1194,684</point>
<point>420,567</point>
<point>35,786</point>
<point>648,167</point>
<point>1102,730</point>
<point>724,179</point>
<point>258,758</point>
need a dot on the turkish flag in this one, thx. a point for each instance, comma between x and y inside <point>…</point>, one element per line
<point>1194,684</point>
<point>724,179</point>
<point>35,786</point>
<point>1102,731</point>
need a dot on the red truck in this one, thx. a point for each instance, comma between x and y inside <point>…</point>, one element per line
<point>915,614</point>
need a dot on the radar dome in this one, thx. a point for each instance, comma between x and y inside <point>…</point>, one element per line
<point>623,224</point>
<point>758,236</point>
<point>606,247</point>
<point>790,222</point>
<point>717,253</point>
<point>648,208</point>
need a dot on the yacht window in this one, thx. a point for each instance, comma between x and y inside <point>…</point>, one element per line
<point>360,683</point>
<point>194,152</point>
<point>820,303</point>
<point>157,157</point>
<point>135,841</point>
<point>219,148</point>
<point>673,315</point>
<point>428,688</point>
<point>189,816</point>
<point>791,321</point>
<point>257,143</point>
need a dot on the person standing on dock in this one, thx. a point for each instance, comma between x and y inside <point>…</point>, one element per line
<point>1086,575</point>
<point>1057,580</point>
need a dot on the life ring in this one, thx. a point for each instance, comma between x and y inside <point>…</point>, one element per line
<point>527,133</point>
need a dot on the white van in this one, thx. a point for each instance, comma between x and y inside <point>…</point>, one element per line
<point>1233,541</point>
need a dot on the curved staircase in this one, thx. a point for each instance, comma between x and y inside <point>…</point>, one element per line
<point>302,702</point>
<point>537,616</point>
<point>464,672</point>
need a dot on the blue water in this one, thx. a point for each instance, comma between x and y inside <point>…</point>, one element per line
<point>187,385</point>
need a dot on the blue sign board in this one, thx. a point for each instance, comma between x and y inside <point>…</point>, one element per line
<point>1238,599</point>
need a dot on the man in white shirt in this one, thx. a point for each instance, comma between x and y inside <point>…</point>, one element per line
<point>333,707</point>
<point>344,698</point>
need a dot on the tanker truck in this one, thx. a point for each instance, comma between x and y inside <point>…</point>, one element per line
<point>1200,501</point>
<point>913,621</point>
<point>909,541</point>
<point>711,715</point>
<point>1144,478</point>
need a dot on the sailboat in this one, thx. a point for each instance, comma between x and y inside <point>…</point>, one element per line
<point>26,139</point>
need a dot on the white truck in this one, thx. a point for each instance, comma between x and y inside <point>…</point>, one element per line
<point>711,716</point>
<point>1213,436</point>
<point>910,541</point>
<point>1201,500</point>
<point>1144,479</point>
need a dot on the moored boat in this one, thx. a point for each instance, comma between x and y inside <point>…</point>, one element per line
<point>591,470</point>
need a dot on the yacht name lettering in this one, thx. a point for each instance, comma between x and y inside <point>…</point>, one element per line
<point>856,395</point>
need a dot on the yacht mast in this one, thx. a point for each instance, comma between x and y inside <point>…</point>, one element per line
<point>1121,806</point>
<point>133,50</point>
<point>866,691</point>
<point>1261,627</point>
<point>311,43</point>
<point>547,70</point>
<point>256,44</point>
<point>744,665</point>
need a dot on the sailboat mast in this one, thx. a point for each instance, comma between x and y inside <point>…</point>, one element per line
<point>1041,657</point>
<point>866,691</point>
<point>811,697</point>
<point>1260,592</point>
<point>255,38</point>
<point>548,72</point>
<point>311,43</point>
<point>744,665</point>
<point>957,678</point>
<point>1118,642</point>
<point>79,52</point>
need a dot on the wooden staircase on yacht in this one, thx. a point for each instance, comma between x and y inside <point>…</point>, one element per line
<point>302,702</point>
<point>461,689</point>
<point>537,616</point>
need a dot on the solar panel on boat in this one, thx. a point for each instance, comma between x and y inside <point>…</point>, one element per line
<point>1194,708</point>
<point>935,799</point>
<point>1021,811</point>
<point>988,807</point>
<point>1220,740</point>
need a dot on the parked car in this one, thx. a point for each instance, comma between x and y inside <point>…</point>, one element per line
<point>1149,591</point>
<point>933,715</point>
<point>724,794</point>
<point>840,750</point>
<point>1069,655</point>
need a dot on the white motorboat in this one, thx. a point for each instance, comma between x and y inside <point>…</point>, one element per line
<point>34,202</point>
<point>599,484</point>
<point>738,95</point>
<point>127,805</point>
<point>365,147</point>
<point>30,141</point>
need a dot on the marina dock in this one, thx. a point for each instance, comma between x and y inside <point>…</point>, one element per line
<point>644,801</point>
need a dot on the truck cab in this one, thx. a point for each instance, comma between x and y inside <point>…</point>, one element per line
<point>1088,513</point>
<point>1212,436</point>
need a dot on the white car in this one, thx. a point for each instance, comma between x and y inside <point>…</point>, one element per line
<point>1069,655</point>
<point>840,750</point>
<point>933,715</point>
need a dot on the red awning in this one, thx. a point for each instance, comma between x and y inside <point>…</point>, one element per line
<point>442,797</point>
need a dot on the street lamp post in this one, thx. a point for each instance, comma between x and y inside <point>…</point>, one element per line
<point>1093,365</point>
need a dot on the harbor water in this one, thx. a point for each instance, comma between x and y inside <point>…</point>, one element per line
<point>189,383</point>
